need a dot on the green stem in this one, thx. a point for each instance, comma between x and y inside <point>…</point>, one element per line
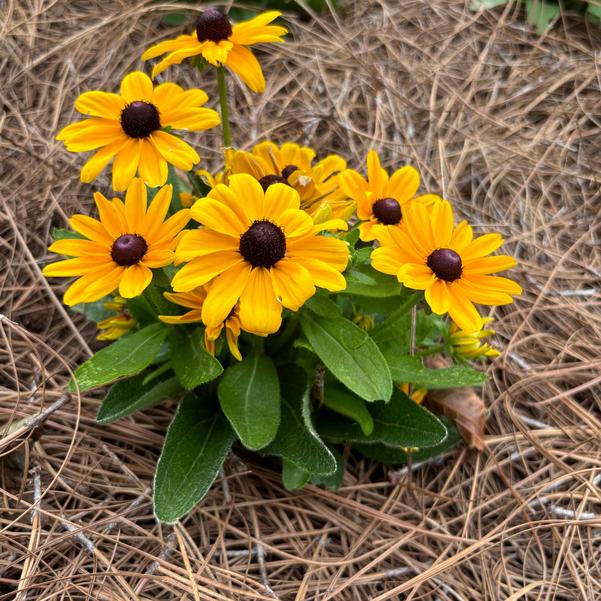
<point>225,113</point>
<point>433,350</point>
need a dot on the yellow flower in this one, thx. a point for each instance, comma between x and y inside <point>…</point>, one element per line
<point>260,249</point>
<point>130,127</point>
<point>380,197</point>
<point>291,164</point>
<point>428,253</point>
<point>221,44</point>
<point>417,394</point>
<point>121,248</point>
<point>115,326</point>
<point>468,343</point>
<point>194,300</point>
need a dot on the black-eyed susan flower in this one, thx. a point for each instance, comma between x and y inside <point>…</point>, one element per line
<point>120,249</point>
<point>428,253</point>
<point>131,128</point>
<point>194,300</point>
<point>117,324</point>
<point>294,165</point>
<point>257,247</point>
<point>380,197</point>
<point>470,344</point>
<point>220,43</point>
<point>417,394</point>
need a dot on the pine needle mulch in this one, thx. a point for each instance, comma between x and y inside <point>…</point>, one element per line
<point>506,124</point>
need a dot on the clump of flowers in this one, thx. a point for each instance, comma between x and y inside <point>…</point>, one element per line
<point>286,301</point>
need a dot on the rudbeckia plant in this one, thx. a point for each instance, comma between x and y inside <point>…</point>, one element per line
<point>284,304</point>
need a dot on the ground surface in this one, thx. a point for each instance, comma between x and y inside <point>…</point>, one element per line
<point>504,123</point>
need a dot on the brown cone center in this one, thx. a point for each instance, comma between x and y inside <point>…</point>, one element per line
<point>128,249</point>
<point>263,244</point>
<point>446,264</point>
<point>387,211</point>
<point>213,25</point>
<point>139,119</point>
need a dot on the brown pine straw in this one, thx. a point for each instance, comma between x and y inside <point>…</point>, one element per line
<point>504,123</point>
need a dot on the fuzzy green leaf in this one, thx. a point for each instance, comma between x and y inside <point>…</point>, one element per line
<point>293,477</point>
<point>323,306</point>
<point>350,354</point>
<point>296,439</point>
<point>346,403</point>
<point>333,481</point>
<point>127,356</point>
<point>405,368</point>
<point>192,363</point>
<point>249,394</point>
<point>61,233</point>
<point>131,395</point>
<point>541,13</point>
<point>196,444</point>
<point>399,423</point>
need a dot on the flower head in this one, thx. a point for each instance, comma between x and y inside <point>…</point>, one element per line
<point>194,300</point>
<point>469,344</point>
<point>417,394</point>
<point>119,323</point>
<point>130,127</point>
<point>380,197</point>
<point>220,43</point>
<point>257,247</point>
<point>121,248</point>
<point>453,269</point>
<point>293,165</point>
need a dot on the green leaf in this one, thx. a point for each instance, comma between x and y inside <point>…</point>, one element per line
<point>293,477</point>
<point>366,281</point>
<point>95,311</point>
<point>249,394</point>
<point>333,481</point>
<point>346,403</point>
<point>192,363</point>
<point>541,13</point>
<point>61,233</point>
<point>174,19</point>
<point>594,11</point>
<point>296,439</point>
<point>394,333</point>
<point>131,395</point>
<point>196,444</point>
<point>352,237</point>
<point>391,455</point>
<point>411,370</point>
<point>477,4</point>
<point>126,357</point>
<point>141,310</point>
<point>350,354</point>
<point>323,306</point>
<point>399,423</point>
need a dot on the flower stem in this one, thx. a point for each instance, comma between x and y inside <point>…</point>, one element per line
<point>225,113</point>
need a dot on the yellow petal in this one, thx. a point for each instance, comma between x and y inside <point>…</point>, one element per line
<point>90,134</point>
<point>136,86</point>
<point>323,275</point>
<point>278,199</point>
<point>437,296</point>
<point>219,217</point>
<point>157,211</point>
<point>462,311</point>
<point>91,228</point>
<point>198,243</point>
<point>170,229</point>
<point>292,283</point>
<point>403,184</point>
<point>378,178</point>
<point>174,150</point>
<point>126,164</point>
<point>170,98</point>
<point>100,104</point>
<point>99,160</point>
<point>224,293</point>
<point>331,251</point>
<point>94,285</point>
<point>193,119</point>
<point>158,258</point>
<point>135,206</point>
<point>246,198</point>
<point>73,267</point>
<point>78,248</point>
<point>441,221</point>
<point>134,281</point>
<point>295,223</point>
<point>203,269</point>
<point>461,238</point>
<point>182,41</point>
<point>257,30</point>
<point>216,53</point>
<point>111,216</point>
<point>482,246</point>
<point>153,167</point>
<point>486,265</point>
<point>246,66</point>
<point>259,308</point>
<point>385,260</point>
<point>176,57</point>
<point>415,276</point>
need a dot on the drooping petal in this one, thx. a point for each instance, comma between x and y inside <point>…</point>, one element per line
<point>134,280</point>
<point>100,104</point>
<point>216,53</point>
<point>136,86</point>
<point>224,293</point>
<point>153,167</point>
<point>246,66</point>
<point>437,296</point>
<point>292,283</point>
<point>259,309</point>
<point>126,164</point>
<point>182,41</point>
<point>100,159</point>
<point>177,56</point>
<point>462,310</point>
<point>174,151</point>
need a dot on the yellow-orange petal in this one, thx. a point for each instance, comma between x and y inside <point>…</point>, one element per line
<point>246,66</point>
<point>259,309</point>
<point>134,280</point>
<point>292,283</point>
<point>224,293</point>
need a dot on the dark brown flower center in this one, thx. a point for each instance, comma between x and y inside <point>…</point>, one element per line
<point>128,249</point>
<point>288,170</point>
<point>269,180</point>
<point>139,119</point>
<point>387,211</point>
<point>446,264</point>
<point>263,244</point>
<point>213,25</point>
